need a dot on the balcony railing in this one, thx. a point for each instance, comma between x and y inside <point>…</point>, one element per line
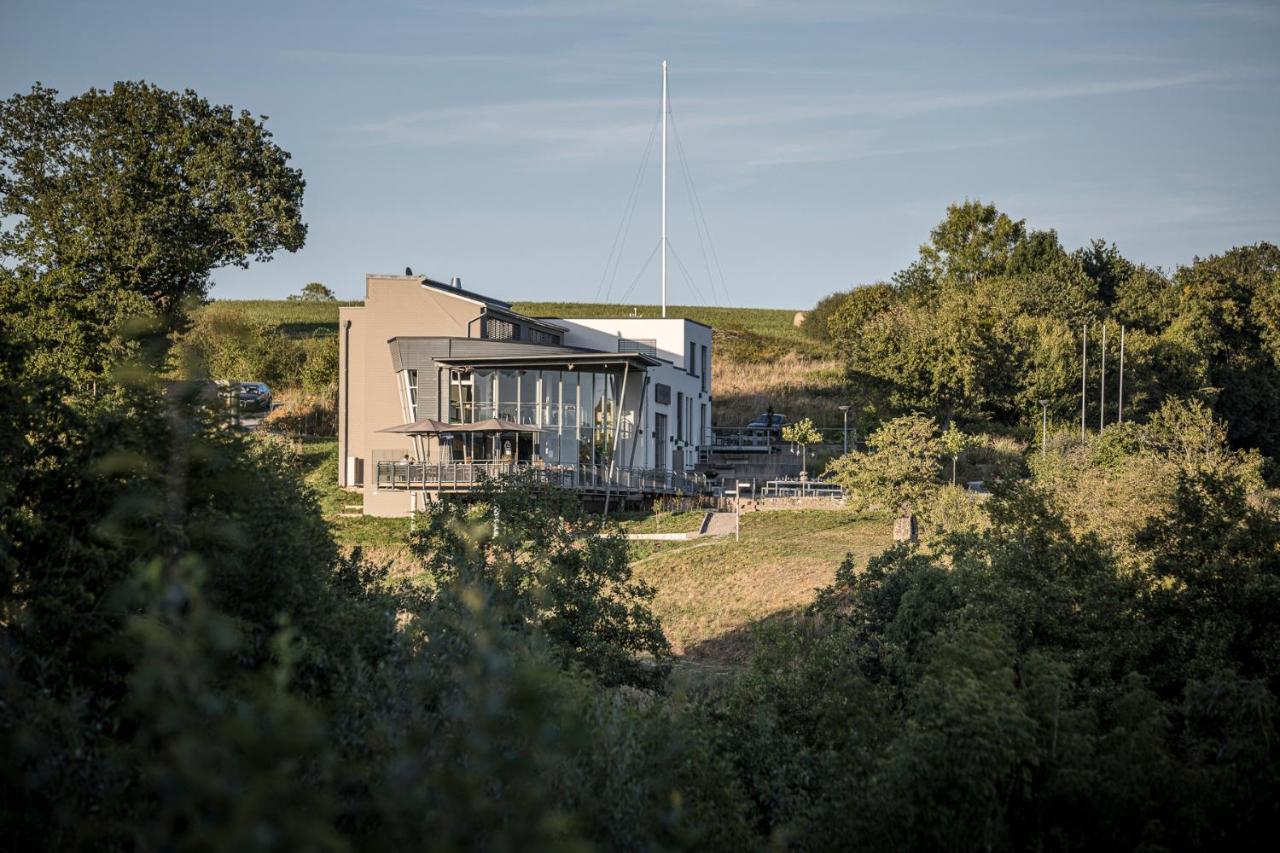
<point>461,476</point>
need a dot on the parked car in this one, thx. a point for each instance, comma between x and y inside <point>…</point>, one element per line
<point>772,422</point>
<point>254,395</point>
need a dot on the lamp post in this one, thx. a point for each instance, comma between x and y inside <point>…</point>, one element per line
<point>1044,426</point>
<point>844,410</point>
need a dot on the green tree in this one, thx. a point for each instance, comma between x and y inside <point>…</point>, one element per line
<point>802,433</point>
<point>973,242</point>
<point>900,468</point>
<point>954,442</point>
<point>134,192</point>
<point>544,566</point>
<point>313,292</point>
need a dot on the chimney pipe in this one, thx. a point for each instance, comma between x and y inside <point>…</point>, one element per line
<point>456,281</point>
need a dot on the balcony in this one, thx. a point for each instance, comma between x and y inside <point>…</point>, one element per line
<point>592,479</point>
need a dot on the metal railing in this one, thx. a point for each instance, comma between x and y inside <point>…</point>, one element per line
<point>460,476</point>
<point>800,489</point>
<point>741,440</point>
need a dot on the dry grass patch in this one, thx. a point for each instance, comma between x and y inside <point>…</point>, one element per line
<point>710,593</point>
<point>795,384</point>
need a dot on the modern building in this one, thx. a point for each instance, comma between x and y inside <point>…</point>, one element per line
<point>439,386</point>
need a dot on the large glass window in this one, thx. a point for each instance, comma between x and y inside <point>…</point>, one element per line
<point>527,411</point>
<point>550,398</point>
<point>508,394</point>
<point>461,396</point>
<point>569,392</point>
<point>706,369</point>
<point>483,382</point>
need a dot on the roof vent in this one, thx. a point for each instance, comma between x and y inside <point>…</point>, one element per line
<point>408,271</point>
<point>456,282</point>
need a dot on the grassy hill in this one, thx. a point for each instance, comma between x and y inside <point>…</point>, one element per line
<point>761,358</point>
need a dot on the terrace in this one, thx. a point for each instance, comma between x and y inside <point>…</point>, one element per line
<point>591,479</point>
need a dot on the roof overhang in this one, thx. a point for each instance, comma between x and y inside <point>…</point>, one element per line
<point>568,361</point>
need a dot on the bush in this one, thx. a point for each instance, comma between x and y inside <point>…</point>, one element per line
<point>227,345</point>
<point>300,415</point>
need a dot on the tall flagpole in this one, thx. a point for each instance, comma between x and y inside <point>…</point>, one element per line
<point>1102,383</point>
<point>664,188</point>
<point>1120,413</point>
<point>1084,372</point>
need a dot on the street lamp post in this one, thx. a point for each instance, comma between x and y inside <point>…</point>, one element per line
<point>1044,426</point>
<point>845,411</point>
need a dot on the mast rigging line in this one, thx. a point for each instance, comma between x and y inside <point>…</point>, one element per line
<point>689,278</point>
<point>700,216</point>
<point>632,286</point>
<point>613,262</point>
<point>623,231</point>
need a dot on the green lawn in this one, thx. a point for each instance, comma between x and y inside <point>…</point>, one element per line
<point>296,319</point>
<point>713,592</point>
<point>660,522</point>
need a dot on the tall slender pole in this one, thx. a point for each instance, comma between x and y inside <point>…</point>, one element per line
<point>1120,413</point>
<point>1044,427</point>
<point>1084,372</point>
<point>1102,385</point>
<point>664,188</point>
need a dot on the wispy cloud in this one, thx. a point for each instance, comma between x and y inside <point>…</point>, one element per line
<point>769,130</point>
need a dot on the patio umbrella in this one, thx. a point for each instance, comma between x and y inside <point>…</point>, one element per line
<point>426,425</point>
<point>490,425</point>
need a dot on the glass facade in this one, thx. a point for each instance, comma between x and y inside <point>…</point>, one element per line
<point>575,409</point>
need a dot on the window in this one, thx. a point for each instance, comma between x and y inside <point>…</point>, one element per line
<point>702,421</point>
<point>461,396</point>
<point>501,330</point>
<point>691,364</point>
<point>538,336</point>
<point>662,394</point>
<point>647,346</point>
<point>706,369</point>
<point>679,416</point>
<point>411,393</point>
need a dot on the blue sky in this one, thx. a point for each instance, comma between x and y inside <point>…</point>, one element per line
<point>499,142</point>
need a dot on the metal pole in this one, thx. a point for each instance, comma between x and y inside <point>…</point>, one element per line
<point>1044,426</point>
<point>1120,404</point>
<point>1084,372</point>
<point>617,424</point>
<point>1102,384</point>
<point>664,188</point>
<point>845,411</point>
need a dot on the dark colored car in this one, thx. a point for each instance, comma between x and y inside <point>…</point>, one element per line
<point>254,396</point>
<point>772,422</point>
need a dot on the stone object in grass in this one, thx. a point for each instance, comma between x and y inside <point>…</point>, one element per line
<point>798,320</point>
<point>905,529</point>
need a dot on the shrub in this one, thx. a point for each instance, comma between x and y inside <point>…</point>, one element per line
<point>228,345</point>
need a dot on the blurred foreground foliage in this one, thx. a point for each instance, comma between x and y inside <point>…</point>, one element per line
<point>188,663</point>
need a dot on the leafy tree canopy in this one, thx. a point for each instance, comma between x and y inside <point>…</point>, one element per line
<point>313,292</point>
<point>135,192</point>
